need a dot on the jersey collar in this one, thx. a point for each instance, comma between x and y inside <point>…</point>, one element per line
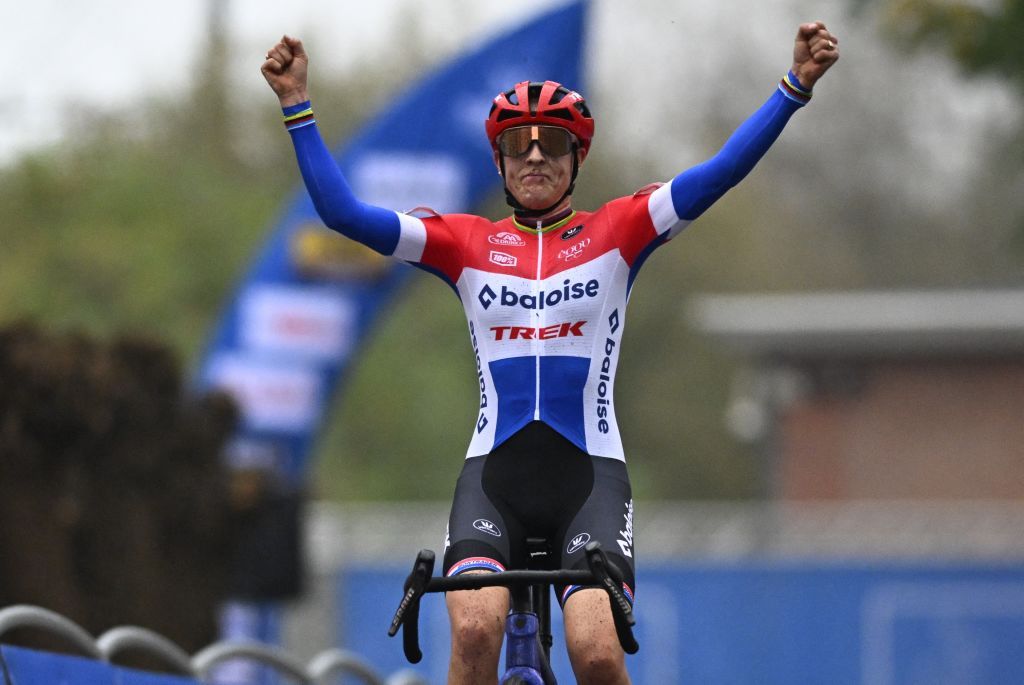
<point>555,222</point>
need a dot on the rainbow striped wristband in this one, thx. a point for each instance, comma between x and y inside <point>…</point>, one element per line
<point>792,89</point>
<point>298,116</point>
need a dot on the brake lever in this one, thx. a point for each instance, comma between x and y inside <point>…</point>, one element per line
<point>407,615</point>
<point>606,574</point>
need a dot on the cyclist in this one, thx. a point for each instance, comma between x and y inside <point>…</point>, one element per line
<point>545,293</point>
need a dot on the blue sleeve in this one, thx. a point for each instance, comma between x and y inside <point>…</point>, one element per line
<point>696,189</point>
<point>338,207</point>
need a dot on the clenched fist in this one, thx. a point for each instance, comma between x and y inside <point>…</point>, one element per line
<point>815,50</point>
<point>286,70</point>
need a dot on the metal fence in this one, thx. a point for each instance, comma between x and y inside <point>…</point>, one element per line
<point>326,667</point>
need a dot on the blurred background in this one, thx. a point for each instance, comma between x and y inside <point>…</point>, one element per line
<point>821,385</point>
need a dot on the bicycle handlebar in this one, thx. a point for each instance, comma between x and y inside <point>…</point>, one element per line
<point>419,582</point>
<point>408,612</point>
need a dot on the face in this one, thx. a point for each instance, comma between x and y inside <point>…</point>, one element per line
<point>537,179</point>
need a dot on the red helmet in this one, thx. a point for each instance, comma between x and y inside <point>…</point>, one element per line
<point>536,103</point>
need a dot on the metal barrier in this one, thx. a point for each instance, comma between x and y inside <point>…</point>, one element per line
<point>321,670</point>
<point>327,665</point>
<point>26,616</point>
<point>132,638</point>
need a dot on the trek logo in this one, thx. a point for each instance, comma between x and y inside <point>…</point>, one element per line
<point>573,252</point>
<point>507,239</point>
<point>626,536</point>
<point>540,299</point>
<point>558,330</point>
<point>577,543</point>
<point>502,259</point>
<point>575,230</point>
<point>486,526</point>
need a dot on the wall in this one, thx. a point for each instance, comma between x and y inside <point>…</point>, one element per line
<point>911,430</point>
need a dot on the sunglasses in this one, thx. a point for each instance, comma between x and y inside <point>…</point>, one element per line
<point>553,141</point>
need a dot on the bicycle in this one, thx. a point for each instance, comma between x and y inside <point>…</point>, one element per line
<point>528,626</point>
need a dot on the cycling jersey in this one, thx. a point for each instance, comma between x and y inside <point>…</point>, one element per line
<point>545,304</point>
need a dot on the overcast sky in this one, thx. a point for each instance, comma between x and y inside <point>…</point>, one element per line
<point>110,52</point>
<point>656,69</point>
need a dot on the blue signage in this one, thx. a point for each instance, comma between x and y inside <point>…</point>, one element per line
<point>764,622</point>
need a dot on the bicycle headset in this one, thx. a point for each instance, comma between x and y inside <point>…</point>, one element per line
<point>536,103</point>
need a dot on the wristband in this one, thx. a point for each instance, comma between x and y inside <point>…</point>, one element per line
<point>297,116</point>
<point>791,87</point>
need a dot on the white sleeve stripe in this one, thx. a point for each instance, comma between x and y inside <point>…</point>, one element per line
<point>663,212</point>
<point>412,238</point>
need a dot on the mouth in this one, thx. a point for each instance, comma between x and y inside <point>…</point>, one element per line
<point>534,177</point>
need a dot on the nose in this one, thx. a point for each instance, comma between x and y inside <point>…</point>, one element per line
<point>534,153</point>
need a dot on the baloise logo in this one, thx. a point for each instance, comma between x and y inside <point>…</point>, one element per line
<point>541,298</point>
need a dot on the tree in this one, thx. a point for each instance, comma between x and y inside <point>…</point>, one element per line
<point>983,39</point>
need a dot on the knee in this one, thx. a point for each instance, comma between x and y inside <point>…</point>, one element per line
<point>475,632</point>
<point>600,667</point>
<point>477,621</point>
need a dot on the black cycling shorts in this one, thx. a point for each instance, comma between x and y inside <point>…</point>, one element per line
<point>539,484</point>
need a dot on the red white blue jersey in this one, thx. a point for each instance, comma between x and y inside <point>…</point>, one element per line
<point>546,306</point>
<point>546,310</point>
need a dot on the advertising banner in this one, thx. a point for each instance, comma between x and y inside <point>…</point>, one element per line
<point>28,667</point>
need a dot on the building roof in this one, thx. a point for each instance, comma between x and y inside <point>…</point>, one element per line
<point>837,324</point>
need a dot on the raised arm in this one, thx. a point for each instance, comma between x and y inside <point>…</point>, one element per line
<point>696,189</point>
<point>286,69</point>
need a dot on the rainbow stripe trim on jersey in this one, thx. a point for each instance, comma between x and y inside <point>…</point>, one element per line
<point>475,563</point>
<point>298,116</point>
<point>545,229</point>
<point>791,88</point>
<point>573,588</point>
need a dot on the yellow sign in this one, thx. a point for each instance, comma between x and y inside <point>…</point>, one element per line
<point>318,252</point>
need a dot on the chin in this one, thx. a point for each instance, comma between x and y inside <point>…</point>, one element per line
<point>534,202</point>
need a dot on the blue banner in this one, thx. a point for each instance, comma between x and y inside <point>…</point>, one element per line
<point>22,666</point>
<point>770,622</point>
<point>289,332</point>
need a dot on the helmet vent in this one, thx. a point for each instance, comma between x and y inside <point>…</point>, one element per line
<point>559,114</point>
<point>508,114</point>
